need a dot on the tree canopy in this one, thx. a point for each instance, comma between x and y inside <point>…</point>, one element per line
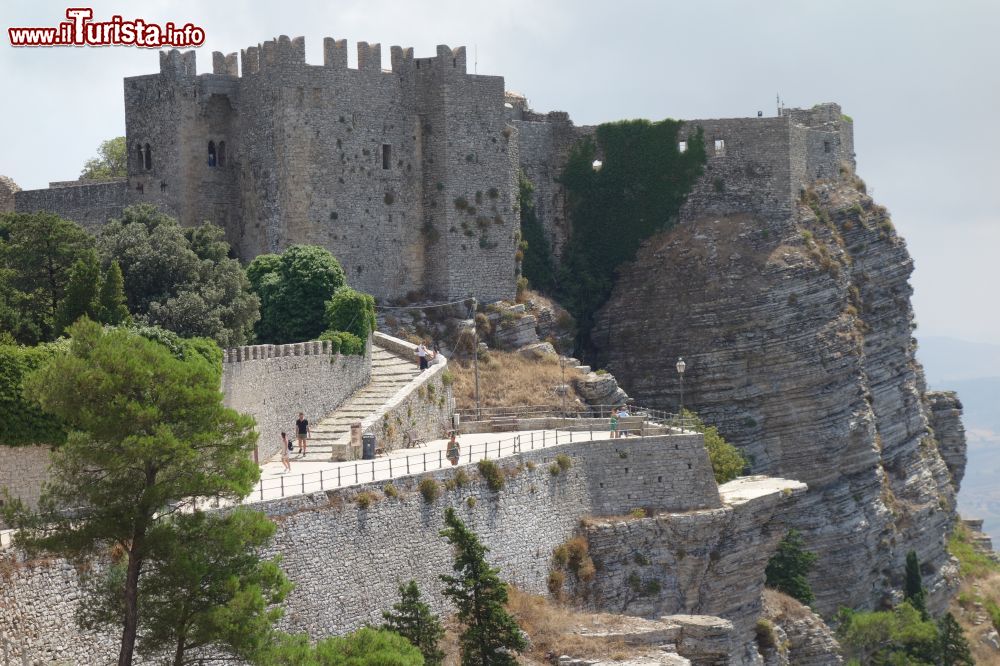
<point>148,437</point>
<point>181,279</point>
<point>788,568</point>
<point>293,288</point>
<point>37,254</point>
<point>364,647</point>
<point>412,619</point>
<point>111,161</point>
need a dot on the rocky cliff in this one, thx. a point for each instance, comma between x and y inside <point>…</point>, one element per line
<point>797,337</point>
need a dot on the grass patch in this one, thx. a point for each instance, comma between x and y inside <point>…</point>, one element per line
<point>508,379</point>
<point>492,474</point>
<point>390,491</point>
<point>365,499</point>
<point>971,561</point>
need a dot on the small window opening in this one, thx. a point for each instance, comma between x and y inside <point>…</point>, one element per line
<point>720,146</point>
<point>147,161</point>
<point>222,154</point>
<point>139,188</point>
<point>454,62</point>
<point>211,153</point>
<point>418,64</point>
<point>682,147</point>
<point>386,156</point>
<point>826,146</point>
<point>138,155</point>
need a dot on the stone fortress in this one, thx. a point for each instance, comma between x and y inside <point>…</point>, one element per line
<point>408,175</point>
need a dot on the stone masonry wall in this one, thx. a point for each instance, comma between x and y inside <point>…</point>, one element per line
<point>23,469</point>
<point>424,405</point>
<point>89,203</point>
<point>273,383</point>
<point>347,562</point>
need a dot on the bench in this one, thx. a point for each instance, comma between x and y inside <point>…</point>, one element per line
<point>503,423</point>
<point>632,424</point>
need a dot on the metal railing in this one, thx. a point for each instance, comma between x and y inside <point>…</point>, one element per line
<point>388,468</point>
<point>579,411</point>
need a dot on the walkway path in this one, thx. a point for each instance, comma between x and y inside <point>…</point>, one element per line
<point>389,374</point>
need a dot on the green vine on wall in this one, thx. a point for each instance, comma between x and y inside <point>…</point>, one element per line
<point>536,262</point>
<point>636,192</point>
<point>22,422</point>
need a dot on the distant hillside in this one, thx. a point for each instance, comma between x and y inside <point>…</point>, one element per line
<point>946,359</point>
<point>973,370</point>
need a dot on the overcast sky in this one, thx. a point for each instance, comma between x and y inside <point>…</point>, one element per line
<point>919,77</point>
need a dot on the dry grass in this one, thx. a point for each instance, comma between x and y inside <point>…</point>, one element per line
<point>783,606</point>
<point>554,630</point>
<point>969,609</point>
<point>507,379</point>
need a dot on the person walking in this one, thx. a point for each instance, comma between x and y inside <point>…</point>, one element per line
<point>454,450</point>
<point>614,424</point>
<point>302,433</point>
<point>285,446</point>
<point>422,355</point>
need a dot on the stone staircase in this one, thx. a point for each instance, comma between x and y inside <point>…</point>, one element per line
<point>390,372</point>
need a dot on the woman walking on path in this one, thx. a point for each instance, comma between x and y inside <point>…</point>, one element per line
<point>284,452</point>
<point>454,451</point>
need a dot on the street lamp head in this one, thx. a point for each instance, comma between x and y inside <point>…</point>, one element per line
<point>681,365</point>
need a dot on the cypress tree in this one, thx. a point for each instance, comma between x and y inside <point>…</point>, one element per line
<point>491,634</point>
<point>915,592</point>
<point>111,301</point>
<point>81,292</point>
<point>787,570</point>
<point>412,619</point>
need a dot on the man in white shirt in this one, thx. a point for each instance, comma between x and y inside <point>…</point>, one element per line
<point>422,355</point>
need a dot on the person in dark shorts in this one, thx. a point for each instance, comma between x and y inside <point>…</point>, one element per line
<point>302,432</point>
<point>422,355</point>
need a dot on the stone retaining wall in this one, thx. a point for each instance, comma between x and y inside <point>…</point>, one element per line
<point>23,469</point>
<point>273,383</point>
<point>346,562</point>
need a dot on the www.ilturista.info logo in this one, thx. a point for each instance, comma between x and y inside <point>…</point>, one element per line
<point>79,30</point>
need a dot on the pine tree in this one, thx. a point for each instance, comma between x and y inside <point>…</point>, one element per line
<point>111,301</point>
<point>787,570</point>
<point>413,620</point>
<point>915,592</point>
<point>491,634</point>
<point>81,292</point>
<point>953,646</point>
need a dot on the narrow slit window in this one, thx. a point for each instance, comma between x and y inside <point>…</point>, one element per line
<point>138,154</point>
<point>147,160</point>
<point>720,146</point>
<point>221,157</point>
<point>211,154</point>
<point>386,156</point>
<point>682,146</point>
<point>826,146</point>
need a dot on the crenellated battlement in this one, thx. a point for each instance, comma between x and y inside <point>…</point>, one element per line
<point>176,64</point>
<point>225,64</point>
<point>262,352</point>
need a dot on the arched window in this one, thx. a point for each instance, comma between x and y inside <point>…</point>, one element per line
<point>211,153</point>
<point>138,156</point>
<point>222,154</point>
<point>147,162</point>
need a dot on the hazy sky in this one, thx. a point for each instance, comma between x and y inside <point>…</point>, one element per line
<point>919,78</point>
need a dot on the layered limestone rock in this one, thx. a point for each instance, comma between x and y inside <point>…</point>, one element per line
<point>705,562</point>
<point>797,337</point>
<point>946,421</point>
<point>805,640</point>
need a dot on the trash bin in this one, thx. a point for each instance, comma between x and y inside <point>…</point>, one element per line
<point>368,446</point>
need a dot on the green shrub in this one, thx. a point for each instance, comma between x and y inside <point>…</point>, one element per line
<point>351,311</point>
<point>554,469</point>
<point>365,499</point>
<point>461,478</point>
<point>564,461</point>
<point>766,638</point>
<point>555,581</point>
<point>637,513</point>
<point>430,489</point>
<point>447,378</point>
<point>390,491</point>
<point>787,569</point>
<point>493,475</point>
<point>728,462</point>
<point>470,502</point>
<point>22,421</point>
<point>971,562</point>
<point>342,342</point>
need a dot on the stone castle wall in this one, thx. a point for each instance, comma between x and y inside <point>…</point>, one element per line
<point>23,469</point>
<point>91,203</point>
<point>273,383</point>
<point>346,562</point>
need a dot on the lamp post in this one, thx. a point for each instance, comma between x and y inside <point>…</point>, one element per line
<point>475,354</point>
<point>681,366</point>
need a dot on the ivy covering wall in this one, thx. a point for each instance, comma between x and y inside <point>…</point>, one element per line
<point>636,191</point>
<point>22,422</point>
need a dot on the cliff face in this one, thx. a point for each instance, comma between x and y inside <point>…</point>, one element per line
<point>797,337</point>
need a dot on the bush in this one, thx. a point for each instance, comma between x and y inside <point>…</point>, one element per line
<point>351,311</point>
<point>787,570</point>
<point>430,489</point>
<point>765,634</point>
<point>554,469</point>
<point>342,342</point>
<point>22,421</point>
<point>365,499</point>
<point>391,491</point>
<point>555,582</point>
<point>728,462</point>
<point>493,475</point>
<point>564,461</point>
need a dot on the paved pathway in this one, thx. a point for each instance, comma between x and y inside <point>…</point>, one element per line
<point>389,374</point>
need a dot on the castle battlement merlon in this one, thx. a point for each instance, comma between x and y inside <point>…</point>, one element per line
<point>262,352</point>
<point>176,64</point>
<point>227,65</point>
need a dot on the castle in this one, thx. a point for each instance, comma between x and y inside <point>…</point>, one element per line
<point>407,175</point>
